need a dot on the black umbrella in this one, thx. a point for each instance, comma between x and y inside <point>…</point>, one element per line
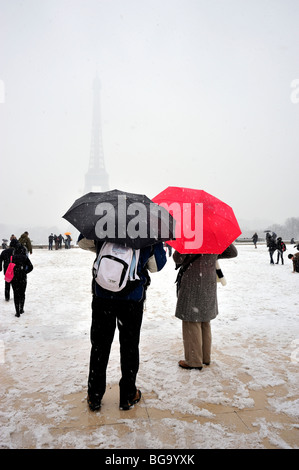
<point>117,216</point>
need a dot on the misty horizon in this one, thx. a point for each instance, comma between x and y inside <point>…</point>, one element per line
<point>196,94</point>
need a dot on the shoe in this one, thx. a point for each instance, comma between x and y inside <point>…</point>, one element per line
<point>184,365</point>
<point>93,405</point>
<point>17,315</point>
<point>130,403</point>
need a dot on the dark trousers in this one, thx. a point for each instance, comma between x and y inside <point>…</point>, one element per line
<point>279,254</point>
<point>7,290</point>
<point>106,314</point>
<point>19,288</point>
<point>271,256</point>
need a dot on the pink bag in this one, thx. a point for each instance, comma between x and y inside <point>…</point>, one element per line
<point>9,272</point>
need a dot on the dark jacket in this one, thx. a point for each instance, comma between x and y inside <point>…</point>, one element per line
<point>23,265</point>
<point>272,245</point>
<point>151,259</point>
<point>281,245</point>
<point>25,241</point>
<point>5,258</point>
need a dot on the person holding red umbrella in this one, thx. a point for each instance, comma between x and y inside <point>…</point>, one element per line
<point>205,230</point>
<point>197,304</point>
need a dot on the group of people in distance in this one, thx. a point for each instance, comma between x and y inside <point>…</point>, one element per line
<point>57,241</point>
<point>275,243</point>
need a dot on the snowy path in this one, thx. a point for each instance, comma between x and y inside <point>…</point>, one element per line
<point>44,359</point>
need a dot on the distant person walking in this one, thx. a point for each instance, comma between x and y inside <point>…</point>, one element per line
<point>60,239</point>
<point>272,248</point>
<point>281,248</point>
<point>26,242</point>
<point>23,266</point>
<point>56,241</point>
<point>255,239</point>
<point>67,242</point>
<point>5,260</point>
<point>51,238</point>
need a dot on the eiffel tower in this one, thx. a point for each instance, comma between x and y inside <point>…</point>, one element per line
<point>96,178</point>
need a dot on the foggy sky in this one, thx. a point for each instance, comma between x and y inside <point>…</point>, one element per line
<point>194,93</point>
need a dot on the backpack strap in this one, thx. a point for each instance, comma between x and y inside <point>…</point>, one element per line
<point>134,264</point>
<point>182,268</point>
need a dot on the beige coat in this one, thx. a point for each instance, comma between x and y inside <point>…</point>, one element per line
<point>197,296</point>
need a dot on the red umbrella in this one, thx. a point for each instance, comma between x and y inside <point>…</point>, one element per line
<point>204,224</point>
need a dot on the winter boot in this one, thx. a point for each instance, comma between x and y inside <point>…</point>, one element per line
<point>22,305</point>
<point>17,307</point>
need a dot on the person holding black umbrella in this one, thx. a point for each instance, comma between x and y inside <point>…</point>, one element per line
<point>272,245</point>
<point>125,310</point>
<point>281,248</point>
<point>116,224</point>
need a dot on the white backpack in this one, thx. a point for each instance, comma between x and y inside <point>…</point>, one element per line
<point>115,266</point>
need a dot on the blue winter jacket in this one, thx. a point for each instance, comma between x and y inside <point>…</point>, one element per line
<point>152,258</point>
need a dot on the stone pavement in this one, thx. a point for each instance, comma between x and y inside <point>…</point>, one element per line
<point>144,427</point>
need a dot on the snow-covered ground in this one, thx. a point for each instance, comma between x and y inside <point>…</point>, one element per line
<point>45,352</point>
